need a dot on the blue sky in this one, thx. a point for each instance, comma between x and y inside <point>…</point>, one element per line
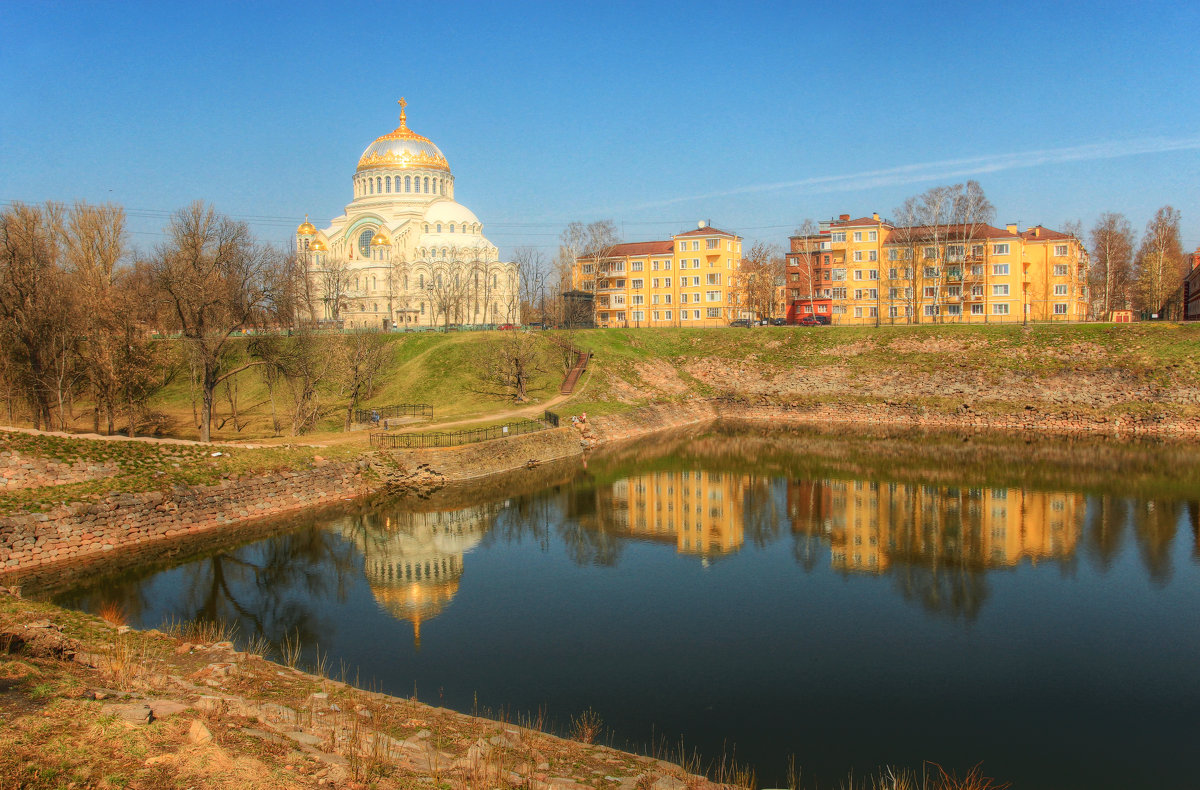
<point>653,114</point>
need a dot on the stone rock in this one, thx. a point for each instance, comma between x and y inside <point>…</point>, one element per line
<point>199,734</point>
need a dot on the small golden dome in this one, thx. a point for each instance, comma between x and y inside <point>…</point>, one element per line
<point>317,246</point>
<point>380,240</point>
<point>306,228</point>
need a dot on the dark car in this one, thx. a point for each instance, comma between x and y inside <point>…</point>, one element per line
<point>740,322</point>
<point>778,322</point>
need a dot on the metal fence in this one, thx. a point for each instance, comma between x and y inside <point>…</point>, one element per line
<point>398,410</point>
<point>394,441</point>
<point>551,419</point>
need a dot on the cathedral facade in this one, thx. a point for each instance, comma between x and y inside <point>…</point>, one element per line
<point>405,255</point>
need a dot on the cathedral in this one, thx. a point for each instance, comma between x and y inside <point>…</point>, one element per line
<point>405,255</point>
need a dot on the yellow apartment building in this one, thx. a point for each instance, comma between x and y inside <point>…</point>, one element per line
<point>689,280</point>
<point>701,512</point>
<point>869,271</point>
<point>871,525</point>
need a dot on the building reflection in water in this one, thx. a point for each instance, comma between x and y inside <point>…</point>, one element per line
<point>414,560</point>
<point>871,525</point>
<point>701,512</point>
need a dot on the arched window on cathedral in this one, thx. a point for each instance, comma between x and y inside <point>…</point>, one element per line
<point>387,184</point>
<point>421,282</point>
<point>374,284</point>
<point>426,185</point>
<point>439,227</point>
<point>378,185</point>
<point>438,281</point>
<point>408,183</point>
<point>364,243</point>
<point>356,283</point>
<point>406,282</point>
<point>451,227</point>
<point>426,227</point>
<point>371,186</point>
<point>443,252</point>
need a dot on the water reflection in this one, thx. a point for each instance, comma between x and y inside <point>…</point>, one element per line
<point>413,560</point>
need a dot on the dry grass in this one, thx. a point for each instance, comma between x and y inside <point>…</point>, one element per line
<point>113,613</point>
<point>587,726</point>
<point>200,631</point>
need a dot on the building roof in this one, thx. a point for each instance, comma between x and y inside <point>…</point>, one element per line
<point>950,233</point>
<point>846,223</point>
<point>635,249</point>
<point>707,230</point>
<point>1045,235</point>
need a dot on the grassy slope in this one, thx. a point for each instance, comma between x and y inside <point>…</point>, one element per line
<point>1151,355</point>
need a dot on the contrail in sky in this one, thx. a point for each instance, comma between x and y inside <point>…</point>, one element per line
<point>952,168</point>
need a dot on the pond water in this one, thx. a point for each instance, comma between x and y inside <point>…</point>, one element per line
<point>764,596</point>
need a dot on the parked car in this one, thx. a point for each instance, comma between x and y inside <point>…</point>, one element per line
<point>778,322</point>
<point>506,326</point>
<point>809,320</point>
<point>740,322</point>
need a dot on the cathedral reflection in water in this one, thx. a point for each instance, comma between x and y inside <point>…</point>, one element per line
<point>413,560</point>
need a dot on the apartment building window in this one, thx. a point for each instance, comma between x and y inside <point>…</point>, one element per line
<point>893,312</point>
<point>667,300</point>
<point>683,298</point>
<point>655,314</point>
<point>999,269</point>
<point>827,274</point>
<point>1000,249</point>
<point>839,293</point>
<point>695,245</point>
<point>666,266</point>
<point>1060,308</point>
<point>954,252</point>
<point>954,290</point>
<point>619,299</point>
<point>976,309</point>
<point>872,274</point>
<point>621,283</point>
<point>637,266</point>
<point>654,299</point>
<point>714,312</point>
<point>872,293</point>
<point>839,274</point>
<point>953,309</point>
<point>893,254</point>
<point>839,309</point>
<point>683,263</point>
<point>654,283</point>
<point>710,244</point>
<point>654,265</point>
<point>893,293</point>
<point>668,312</point>
<point>872,255</point>
<point>977,249</point>
<point>873,312</point>
<point>858,293</point>
<point>637,285</point>
<point>858,312</point>
<point>893,273</point>
<point>930,253</point>
<point>976,290</point>
<point>931,271</point>
<point>712,296</point>
<point>695,282</point>
<point>976,269</point>
<point>619,316</point>
<point>1060,290</point>
<point>999,290</point>
<point>858,235</point>
<point>1060,270</point>
<point>858,274</point>
<point>714,279</point>
<point>588,268</point>
<point>1000,309</point>
<point>954,273</point>
<point>1060,250</point>
<point>838,236</point>
<point>872,235</point>
<point>639,299</point>
<point>930,310</point>
<point>858,256</point>
<point>639,315</point>
<point>683,245</point>
<point>930,291</point>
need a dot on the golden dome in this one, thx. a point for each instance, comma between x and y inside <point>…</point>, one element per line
<point>380,239</point>
<point>317,245</point>
<point>306,228</point>
<point>403,148</point>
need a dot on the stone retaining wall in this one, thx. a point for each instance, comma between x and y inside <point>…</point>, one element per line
<point>647,420</point>
<point>31,471</point>
<point>83,529</point>
<point>1031,419</point>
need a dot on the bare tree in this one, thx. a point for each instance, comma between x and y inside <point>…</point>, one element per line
<point>510,361</point>
<point>759,276</point>
<point>1160,263</point>
<point>594,242</point>
<point>936,239</point>
<point>360,359</point>
<point>1112,264</point>
<point>533,275</point>
<point>448,293</point>
<point>334,277</point>
<point>214,277</point>
<point>301,363</point>
<point>35,313</point>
